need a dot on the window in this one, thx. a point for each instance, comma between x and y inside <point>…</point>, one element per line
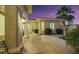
<point>52,26</point>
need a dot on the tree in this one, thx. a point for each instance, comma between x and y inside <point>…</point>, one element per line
<point>65,12</point>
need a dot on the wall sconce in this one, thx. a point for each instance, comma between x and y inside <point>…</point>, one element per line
<point>23,21</point>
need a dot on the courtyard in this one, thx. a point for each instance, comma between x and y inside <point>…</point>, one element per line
<point>28,29</point>
<point>47,44</point>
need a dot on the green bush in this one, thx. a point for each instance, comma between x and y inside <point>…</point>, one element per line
<point>35,30</point>
<point>48,31</point>
<point>73,38</point>
<point>59,31</point>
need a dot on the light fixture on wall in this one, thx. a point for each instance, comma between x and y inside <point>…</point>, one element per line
<point>23,23</point>
<point>23,20</point>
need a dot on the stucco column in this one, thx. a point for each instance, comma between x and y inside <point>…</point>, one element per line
<point>39,27</point>
<point>64,30</point>
<point>11,28</point>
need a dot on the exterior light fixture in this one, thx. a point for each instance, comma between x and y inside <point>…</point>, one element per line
<point>23,20</point>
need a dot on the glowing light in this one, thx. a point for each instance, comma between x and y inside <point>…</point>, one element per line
<point>23,20</point>
<point>52,25</point>
<point>42,25</point>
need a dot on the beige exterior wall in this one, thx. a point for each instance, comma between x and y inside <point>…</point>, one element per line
<point>42,23</point>
<point>20,30</point>
<point>29,8</point>
<point>14,26</point>
<point>11,28</point>
<point>22,18</point>
<point>2,8</point>
<point>32,25</point>
<point>71,27</point>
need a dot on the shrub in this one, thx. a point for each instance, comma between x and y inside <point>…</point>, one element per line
<point>73,39</point>
<point>35,30</point>
<point>59,31</point>
<point>48,31</point>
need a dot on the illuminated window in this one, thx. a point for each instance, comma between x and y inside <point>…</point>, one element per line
<point>52,26</point>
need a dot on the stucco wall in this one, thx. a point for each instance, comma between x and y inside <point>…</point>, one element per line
<point>11,27</point>
<point>22,14</point>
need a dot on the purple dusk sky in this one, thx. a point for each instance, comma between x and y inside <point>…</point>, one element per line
<point>49,11</point>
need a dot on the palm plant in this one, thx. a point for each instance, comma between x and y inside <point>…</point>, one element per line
<point>65,12</point>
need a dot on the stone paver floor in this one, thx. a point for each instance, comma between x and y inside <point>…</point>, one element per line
<point>47,44</point>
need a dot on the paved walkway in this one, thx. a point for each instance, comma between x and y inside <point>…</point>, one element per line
<point>46,44</point>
